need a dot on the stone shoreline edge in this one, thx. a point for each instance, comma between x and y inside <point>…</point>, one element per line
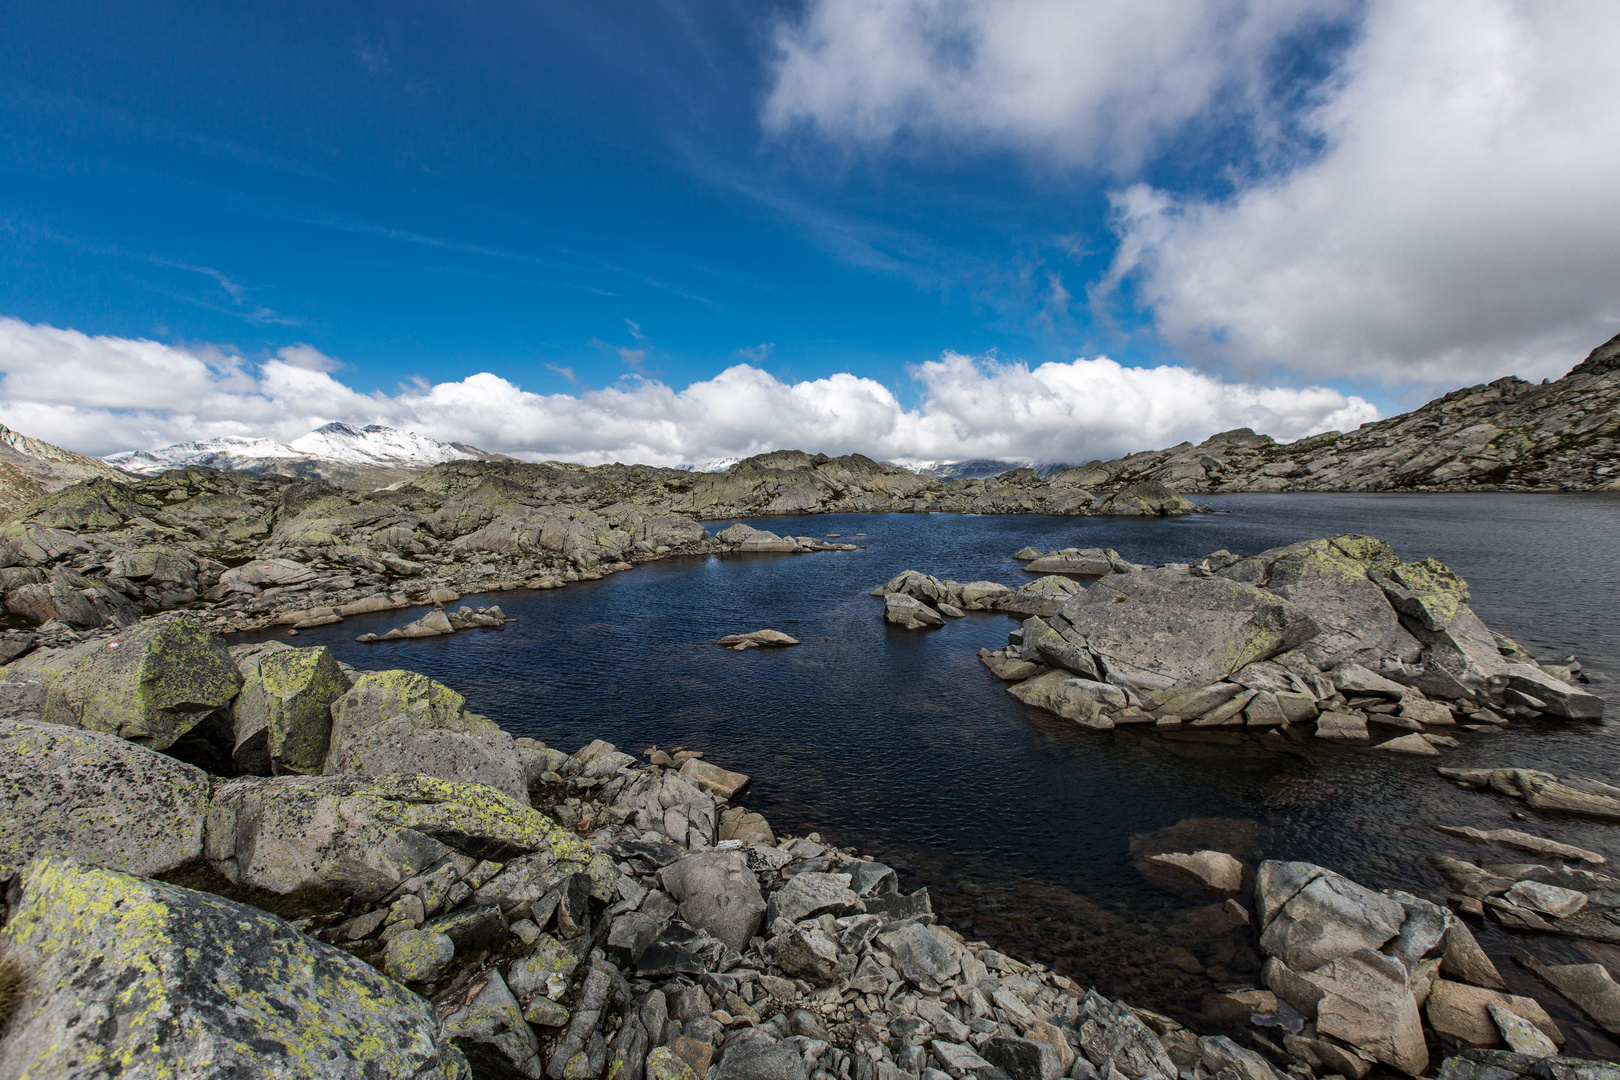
<point>584,915</point>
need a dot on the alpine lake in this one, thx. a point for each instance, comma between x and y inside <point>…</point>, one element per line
<point>1029,831</point>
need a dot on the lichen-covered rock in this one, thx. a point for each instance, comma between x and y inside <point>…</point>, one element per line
<point>418,955</point>
<point>364,835</point>
<point>1329,579</point>
<point>401,722</point>
<point>491,1031</point>
<point>94,796</point>
<point>129,977</point>
<point>283,715</point>
<point>151,685</point>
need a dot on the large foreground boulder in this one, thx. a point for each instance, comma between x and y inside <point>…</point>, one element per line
<point>401,722</point>
<point>283,716</point>
<point>362,836</point>
<point>94,796</point>
<point>129,977</point>
<point>151,685</point>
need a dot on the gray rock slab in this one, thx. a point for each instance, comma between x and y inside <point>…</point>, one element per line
<point>809,894</point>
<point>718,893</point>
<point>1330,917</point>
<point>94,796</point>
<point>401,722</point>
<point>152,979</point>
<point>362,836</point>
<point>919,956</point>
<point>1161,628</point>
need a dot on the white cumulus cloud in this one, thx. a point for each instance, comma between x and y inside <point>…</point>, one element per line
<point>100,395</point>
<point>1094,82</point>
<point>1437,206</point>
<point>1460,221</point>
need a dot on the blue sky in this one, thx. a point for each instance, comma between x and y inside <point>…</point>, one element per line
<point>925,197</point>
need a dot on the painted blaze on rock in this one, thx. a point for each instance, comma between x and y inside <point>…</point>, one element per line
<point>130,977</point>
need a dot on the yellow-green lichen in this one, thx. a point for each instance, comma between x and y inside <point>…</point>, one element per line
<point>181,982</point>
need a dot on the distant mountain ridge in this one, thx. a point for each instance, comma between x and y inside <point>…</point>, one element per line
<point>31,467</point>
<point>343,454</point>
<point>1508,435</point>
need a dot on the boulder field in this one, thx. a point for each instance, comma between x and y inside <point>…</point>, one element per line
<point>256,860</point>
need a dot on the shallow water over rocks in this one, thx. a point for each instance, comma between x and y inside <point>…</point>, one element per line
<point>1028,830</point>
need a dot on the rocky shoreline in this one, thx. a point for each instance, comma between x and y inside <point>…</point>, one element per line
<point>250,552</point>
<point>260,823</point>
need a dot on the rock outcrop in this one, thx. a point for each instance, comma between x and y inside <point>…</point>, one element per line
<point>1337,632</point>
<point>153,684</point>
<point>362,837</point>
<point>256,550</point>
<point>131,977</point>
<point>1509,435</point>
<point>31,467</point>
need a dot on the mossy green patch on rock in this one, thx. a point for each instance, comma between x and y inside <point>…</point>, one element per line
<point>361,836</point>
<point>283,716</point>
<point>150,685</point>
<point>131,977</point>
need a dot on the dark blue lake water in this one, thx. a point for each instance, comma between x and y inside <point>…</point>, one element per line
<point>904,745</point>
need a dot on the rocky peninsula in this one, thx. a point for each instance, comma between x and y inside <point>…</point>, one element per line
<point>257,858</point>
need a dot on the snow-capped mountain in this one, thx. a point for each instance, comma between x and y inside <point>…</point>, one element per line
<point>975,468</point>
<point>341,453</point>
<point>714,465</point>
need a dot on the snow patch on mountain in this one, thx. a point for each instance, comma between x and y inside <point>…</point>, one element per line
<point>334,444</point>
